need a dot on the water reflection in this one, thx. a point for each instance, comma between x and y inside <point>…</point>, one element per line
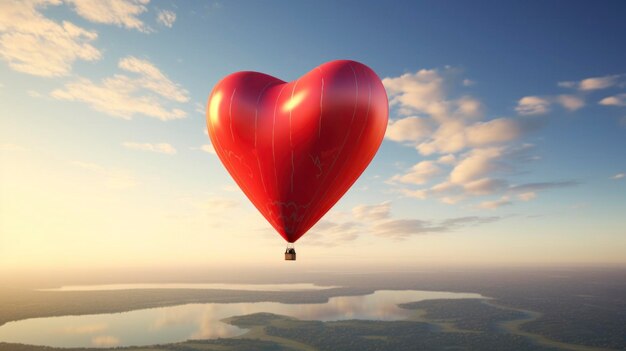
<point>178,323</point>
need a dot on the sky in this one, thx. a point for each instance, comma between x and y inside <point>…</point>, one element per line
<point>506,144</point>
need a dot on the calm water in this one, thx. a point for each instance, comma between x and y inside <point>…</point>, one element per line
<point>202,321</point>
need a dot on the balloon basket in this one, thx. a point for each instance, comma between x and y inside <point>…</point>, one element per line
<point>290,253</point>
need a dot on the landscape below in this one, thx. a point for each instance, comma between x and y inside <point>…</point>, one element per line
<point>567,309</point>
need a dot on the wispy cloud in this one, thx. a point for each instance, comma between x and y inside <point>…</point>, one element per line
<point>479,173</point>
<point>166,18</point>
<point>153,79</point>
<point>593,83</point>
<point>534,187</point>
<point>409,129</point>
<point>445,124</point>
<point>208,148</point>
<point>471,149</point>
<point>376,220</point>
<point>570,102</point>
<point>420,173</point>
<point>400,229</point>
<point>468,82</point>
<point>123,96</point>
<point>33,44</point>
<point>403,228</point>
<point>331,233</point>
<point>532,105</point>
<point>503,201</point>
<point>198,107</point>
<point>541,105</point>
<point>163,148</point>
<point>618,176</point>
<point>372,212</point>
<point>123,13</point>
<point>527,196</point>
<point>616,100</point>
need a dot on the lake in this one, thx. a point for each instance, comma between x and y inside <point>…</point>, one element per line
<point>203,321</point>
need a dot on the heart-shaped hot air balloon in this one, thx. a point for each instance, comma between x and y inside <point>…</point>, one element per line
<point>295,148</point>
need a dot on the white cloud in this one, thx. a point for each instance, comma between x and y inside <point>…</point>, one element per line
<point>479,173</point>
<point>495,131</point>
<point>420,173</point>
<point>619,176</point>
<point>338,229</point>
<point>153,79</point>
<point>448,138</point>
<point>616,100</point>
<point>485,186</point>
<point>597,83</point>
<point>421,91</point>
<point>448,159</point>
<point>473,152</point>
<point>208,148</point>
<point>593,83</point>
<point>124,97</point>
<point>527,196</point>
<point>540,105</point>
<point>330,233</point>
<point>409,129</point>
<point>372,212</point>
<point>492,205</point>
<point>532,105</point>
<point>467,107</point>
<point>449,125</point>
<point>534,187</point>
<point>163,148</point>
<point>477,164</point>
<point>198,107</point>
<point>400,229</point>
<point>455,135</point>
<point>122,13</point>
<point>31,43</point>
<point>570,102</point>
<point>166,18</point>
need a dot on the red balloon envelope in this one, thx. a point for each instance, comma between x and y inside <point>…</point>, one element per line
<point>295,148</point>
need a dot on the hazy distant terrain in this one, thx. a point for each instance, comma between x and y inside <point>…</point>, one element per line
<point>529,310</point>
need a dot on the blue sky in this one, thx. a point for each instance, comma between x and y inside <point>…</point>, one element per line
<point>507,140</point>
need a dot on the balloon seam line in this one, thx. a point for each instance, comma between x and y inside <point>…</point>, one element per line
<point>230,114</point>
